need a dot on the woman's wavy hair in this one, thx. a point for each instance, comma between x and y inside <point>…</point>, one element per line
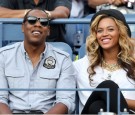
<point>126,55</point>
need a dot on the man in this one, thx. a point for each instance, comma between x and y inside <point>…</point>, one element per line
<point>34,64</point>
<point>55,9</point>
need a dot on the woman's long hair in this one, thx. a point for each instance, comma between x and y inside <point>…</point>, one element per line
<point>126,55</point>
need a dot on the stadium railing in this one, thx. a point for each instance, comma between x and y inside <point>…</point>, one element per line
<point>76,112</point>
<point>122,112</point>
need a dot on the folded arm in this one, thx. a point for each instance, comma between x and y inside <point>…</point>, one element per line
<point>94,3</point>
<point>131,104</point>
<point>58,12</point>
<point>9,13</point>
<point>4,109</point>
<point>58,108</point>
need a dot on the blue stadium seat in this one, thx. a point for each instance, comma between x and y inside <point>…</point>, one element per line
<point>130,20</point>
<point>76,34</point>
<point>82,51</point>
<point>63,46</point>
<point>10,30</point>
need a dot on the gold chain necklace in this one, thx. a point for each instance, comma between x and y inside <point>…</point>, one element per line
<point>110,67</point>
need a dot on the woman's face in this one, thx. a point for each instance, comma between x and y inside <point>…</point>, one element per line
<point>107,34</point>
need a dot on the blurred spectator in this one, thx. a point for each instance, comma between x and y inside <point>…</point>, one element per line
<point>125,6</point>
<point>55,9</point>
<point>80,8</point>
<point>77,9</point>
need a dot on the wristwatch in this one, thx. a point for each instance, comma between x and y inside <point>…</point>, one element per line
<point>49,14</point>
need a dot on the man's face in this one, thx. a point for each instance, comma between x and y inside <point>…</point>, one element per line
<point>36,27</point>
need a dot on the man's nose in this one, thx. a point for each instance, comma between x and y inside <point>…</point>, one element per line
<point>38,23</point>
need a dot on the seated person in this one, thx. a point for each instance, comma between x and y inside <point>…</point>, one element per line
<point>55,9</point>
<point>109,63</point>
<point>80,9</point>
<point>125,6</point>
<point>35,64</point>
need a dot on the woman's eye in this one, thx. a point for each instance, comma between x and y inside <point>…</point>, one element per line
<point>110,29</point>
<point>99,31</point>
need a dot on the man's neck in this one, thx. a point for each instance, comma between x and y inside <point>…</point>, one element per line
<point>34,49</point>
<point>34,52</point>
<point>36,1</point>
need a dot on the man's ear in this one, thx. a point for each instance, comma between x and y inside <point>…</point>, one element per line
<point>23,27</point>
<point>48,33</point>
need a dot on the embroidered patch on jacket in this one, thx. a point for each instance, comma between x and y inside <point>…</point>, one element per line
<point>49,63</point>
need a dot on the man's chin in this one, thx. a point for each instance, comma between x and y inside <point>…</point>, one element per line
<point>35,43</point>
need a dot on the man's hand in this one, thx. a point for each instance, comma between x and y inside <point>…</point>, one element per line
<point>119,2</point>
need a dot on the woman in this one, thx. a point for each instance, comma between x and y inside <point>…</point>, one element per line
<point>109,63</point>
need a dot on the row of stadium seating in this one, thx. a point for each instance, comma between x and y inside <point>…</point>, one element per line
<point>77,31</point>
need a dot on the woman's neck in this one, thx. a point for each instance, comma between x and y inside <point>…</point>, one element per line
<point>110,56</point>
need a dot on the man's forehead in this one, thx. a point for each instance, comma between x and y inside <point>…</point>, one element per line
<point>38,13</point>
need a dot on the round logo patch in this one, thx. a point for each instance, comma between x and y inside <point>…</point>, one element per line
<point>49,63</point>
